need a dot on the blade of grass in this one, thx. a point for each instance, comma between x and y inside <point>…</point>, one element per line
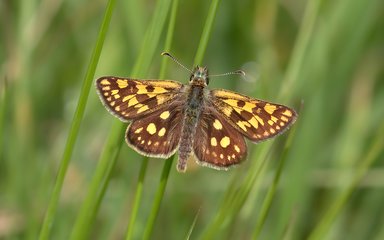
<point>235,204</point>
<point>3,105</point>
<point>158,197</point>
<point>206,32</point>
<point>75,126</point>
<point>301,45</point>
<point>169,37</point>
<point>272,190</point>
<point>235,197</point>
<point>372,154</point>
<point>137,200</point>
<point>193,225</point>
<point>168,163</point>
<point>114,142</point>
<point>198,59</point>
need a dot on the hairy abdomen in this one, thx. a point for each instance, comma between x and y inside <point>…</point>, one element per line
<point>192,113</point>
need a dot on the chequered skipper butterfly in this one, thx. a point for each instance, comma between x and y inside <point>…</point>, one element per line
<point>209,125</point>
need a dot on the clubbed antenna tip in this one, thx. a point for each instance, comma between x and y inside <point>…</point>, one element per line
<point>175,60</point>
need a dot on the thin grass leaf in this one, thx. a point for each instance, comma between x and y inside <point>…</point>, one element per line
<point>168,163</point>
<point>372,154</point>
<point>206,32</point>
<point>137,200</point>
<point>3,105</point>
<point>95,195</point>
<point>299,50</point>
<point>193,225</point>
<point>272,190</point>
<point>76,122</point>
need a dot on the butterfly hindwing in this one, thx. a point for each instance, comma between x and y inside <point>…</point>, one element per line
<point>157,134</point>
<point>217,143</point>
<point>256,119</point>
<point>131,98</point>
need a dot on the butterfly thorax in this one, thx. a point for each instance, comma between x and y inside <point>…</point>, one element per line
<point>195,92</point>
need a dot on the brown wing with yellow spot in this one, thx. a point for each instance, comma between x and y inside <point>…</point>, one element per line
<point>132,98</point>
<point>256,119</point>
<point>217,143</point>
<point>157,134</point>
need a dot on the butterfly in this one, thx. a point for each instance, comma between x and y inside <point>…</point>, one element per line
<point>208,125</point>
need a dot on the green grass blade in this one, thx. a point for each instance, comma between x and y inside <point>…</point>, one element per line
<point>94,196</point>
<point>75,126</point>
<point>301,45</point>
<point>114,142</point>
<point>206,32</point>
<point>3,105</point>
<point>169,37</point>
<point>158,198</point>
<point>137,200</point>
<point>168,163</point>
<point>272,190</point>
<point>372,155</point>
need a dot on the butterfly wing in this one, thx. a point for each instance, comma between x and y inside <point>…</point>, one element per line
<point>132,98</point>
<point>157,134</point>
<point>256,119</point>
<point>217,143</point>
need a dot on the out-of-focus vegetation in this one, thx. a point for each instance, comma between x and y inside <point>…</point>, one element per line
<point>323,179</point>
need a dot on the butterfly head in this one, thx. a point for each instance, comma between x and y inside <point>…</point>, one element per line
<point>199,76</point>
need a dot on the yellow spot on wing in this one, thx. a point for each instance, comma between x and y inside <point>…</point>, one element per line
<point>142,109</point>
<point>116,96</point>
<point>160,90</point>
<point>274,118</point>
<point>132,102</point>
<point>122,83</point>
<point>217,124</point>
<point>106,88</point>
<point>141,89</point>
<point>105,82</point>
<point>269,108</point>
<point>227,111</point>
<point>162,132</point>
<point>164,115</point>
<point>231,102</point>
<point>259,120</point>
<point>287,113</point>
<point>227,94</point>
<point>249,106</point>
<point>225,141</point>
<point>126,98</point>
<point>117,108</point>
<point>244,124</point>
<point>270,122</point>
<point>139,130</point>
<point>151,128</point>
<point>284,119</point>
<point>213,141</point>
<point>114,91</point>
<point>254,122</point>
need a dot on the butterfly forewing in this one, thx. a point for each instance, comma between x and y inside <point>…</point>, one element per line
<point>256,119</point>
<point>131,98</point>
<point>217,143</point>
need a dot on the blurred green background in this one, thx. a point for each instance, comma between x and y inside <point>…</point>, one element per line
<point>323,58</point>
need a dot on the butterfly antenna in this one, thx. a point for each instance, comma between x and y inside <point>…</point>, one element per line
<point>175,60</point>
<point>238,72</point>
